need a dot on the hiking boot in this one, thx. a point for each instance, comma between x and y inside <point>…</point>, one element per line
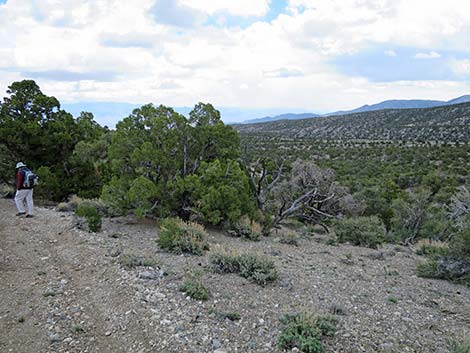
<point>21,213</point>
<point>29,216</point>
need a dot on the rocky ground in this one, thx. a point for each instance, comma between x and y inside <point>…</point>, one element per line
<point>63,289</point>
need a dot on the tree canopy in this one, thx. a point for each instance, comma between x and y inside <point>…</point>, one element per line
<point>35,130</point>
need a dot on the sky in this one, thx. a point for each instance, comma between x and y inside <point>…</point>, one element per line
<point>254,57</point>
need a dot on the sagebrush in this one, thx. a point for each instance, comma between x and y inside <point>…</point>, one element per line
<point>194,287</point>
<point>178,236</point>
<point>257,268</point>
<point>361,231</point>
<point>305,331</point>
<point>91,214</point>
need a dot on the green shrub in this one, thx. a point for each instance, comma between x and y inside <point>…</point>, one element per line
<point>224,262</point>
<point>256,268</point>
<point>290,238</point>
<point>452,264</point>
<point>361,231</point>
<point>436,224</point>
<point>412,218</point>
<point>327,325</point>
<point>50,186</point>
<point>259,269</point>
<point>91,214</point>
<point>305,331</point>
<point>447,268</point>
<point>142,194</point>
<point>75,201</point>
<point>232,316</point>
<point>223,192</point>
<point>77,329</point>
<point>195,288</point>
<point>460,245</point>
<point>6,190</point>
<point>427,269</point>
<point>179,237</point>
<point>432,248</point>
<point>131,261</point>
<point>245,228</point>
<point>460,347</point>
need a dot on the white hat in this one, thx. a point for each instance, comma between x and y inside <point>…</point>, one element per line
<point>20,164</point>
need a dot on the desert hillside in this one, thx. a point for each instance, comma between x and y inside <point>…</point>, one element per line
<point>67,290</point>
<point>445,124</point>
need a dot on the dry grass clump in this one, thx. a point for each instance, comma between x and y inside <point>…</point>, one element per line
<point>290,238</point>
<point>75,201</point>
<point>430,247</point>
<point>245,228</point>
<point>178,236</point>
<point>131,261</point>
<point>257,268</point>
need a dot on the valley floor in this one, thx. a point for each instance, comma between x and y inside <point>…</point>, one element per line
<point>63,290</point>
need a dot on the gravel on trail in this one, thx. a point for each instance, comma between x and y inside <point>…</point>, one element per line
<point>63,289</point>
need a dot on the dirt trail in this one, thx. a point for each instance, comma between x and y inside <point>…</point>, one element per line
<point>59,292</point>
<point>62,290</point>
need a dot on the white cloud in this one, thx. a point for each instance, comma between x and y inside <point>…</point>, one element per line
<point>430,55</point>
<point>283,72</point>
<point>461,67</point>
<point>342,26</point>
<point>169,84</point>
<point>126,40</point>
<point>114,50</point>
<point>233,7</point>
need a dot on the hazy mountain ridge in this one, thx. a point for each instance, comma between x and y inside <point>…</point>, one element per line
<point>288,116</point>
<point>403,104</point>
<point>445,123</point>
<point>109,113</point>
<point>392,104</point>
<point>388,104</point>
<point>462,99</point>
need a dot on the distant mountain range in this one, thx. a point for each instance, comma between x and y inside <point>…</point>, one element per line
<point>388,104</point>
<point>109,113</point>
<point>288,116</point>
<point>447,123</point>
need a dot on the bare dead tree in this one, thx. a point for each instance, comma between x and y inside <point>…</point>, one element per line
<point>409,217</point>
<point>307,191</point>
<point>263,180</point>
<point>304,194</point>
<point>459,209</point>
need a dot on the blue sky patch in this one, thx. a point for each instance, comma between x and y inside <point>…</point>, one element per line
<point>171,13</point>
<point>387,64</point>
<point>223,19</point>
<point>71,76</point>
<point>276,7</point>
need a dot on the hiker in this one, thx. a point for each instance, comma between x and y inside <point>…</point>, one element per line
<point>24,189</point>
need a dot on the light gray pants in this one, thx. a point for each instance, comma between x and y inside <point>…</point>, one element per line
<point>20,197</point>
